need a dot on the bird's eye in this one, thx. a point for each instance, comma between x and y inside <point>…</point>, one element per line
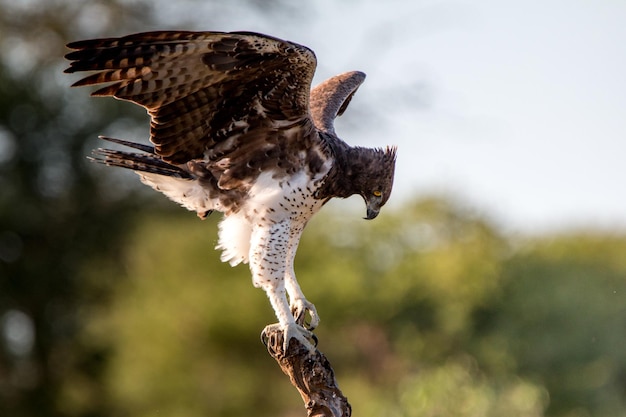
<point>377,193</point>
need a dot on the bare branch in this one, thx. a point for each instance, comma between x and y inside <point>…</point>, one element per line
<point>310,372</point>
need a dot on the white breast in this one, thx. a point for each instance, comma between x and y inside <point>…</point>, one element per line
<point>269,201</point>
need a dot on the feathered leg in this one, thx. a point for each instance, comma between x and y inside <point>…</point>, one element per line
<point>267,264</point>
<point>298,303</point>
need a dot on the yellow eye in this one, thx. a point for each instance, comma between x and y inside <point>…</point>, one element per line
<point>377,193</point>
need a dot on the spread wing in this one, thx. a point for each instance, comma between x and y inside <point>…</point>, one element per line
<point>240,98</point>
<point>330,98</point>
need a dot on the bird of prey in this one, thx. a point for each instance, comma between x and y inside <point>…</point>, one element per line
<point>237,128</point>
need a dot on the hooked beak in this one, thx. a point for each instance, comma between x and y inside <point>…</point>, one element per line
<point>371,213</point>
<point>373,208</point>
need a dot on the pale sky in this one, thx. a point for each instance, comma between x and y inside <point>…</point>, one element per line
<point>518,107</point>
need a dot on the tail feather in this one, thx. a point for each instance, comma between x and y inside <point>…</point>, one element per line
<point>135,145</point>
<point>143,162</point>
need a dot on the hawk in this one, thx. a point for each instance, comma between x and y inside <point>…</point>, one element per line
<point>237,128</point>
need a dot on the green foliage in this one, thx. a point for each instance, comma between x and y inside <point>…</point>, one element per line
<point>562,318</point>
<point>53,213</point>
<point>458,388</point>
<point>185,327</point>
<point>427,311</point>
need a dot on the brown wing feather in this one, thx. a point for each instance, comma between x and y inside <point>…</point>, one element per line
<point>330,98</point>
<point>208,93</point>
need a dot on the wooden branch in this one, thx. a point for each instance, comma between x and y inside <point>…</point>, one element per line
<point>311,374</point>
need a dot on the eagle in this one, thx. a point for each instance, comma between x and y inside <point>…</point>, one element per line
<point>236,128</point>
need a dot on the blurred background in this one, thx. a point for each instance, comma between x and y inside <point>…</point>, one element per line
<point>493,285</point>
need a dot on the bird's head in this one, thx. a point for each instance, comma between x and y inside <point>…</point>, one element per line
<point>373,177</point>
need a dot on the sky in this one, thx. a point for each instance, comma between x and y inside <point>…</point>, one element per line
<point>526,106</point>
<point>517,108</point>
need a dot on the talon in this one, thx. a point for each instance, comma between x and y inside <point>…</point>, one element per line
<point>299,308</point>
<point>290,331</point>
<point>295,331</point>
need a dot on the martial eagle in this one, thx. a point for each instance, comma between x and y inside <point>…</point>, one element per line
<point>237,128</point>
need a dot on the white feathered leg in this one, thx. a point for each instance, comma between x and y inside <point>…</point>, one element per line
<point>268,259</point>
<point>298,303</point>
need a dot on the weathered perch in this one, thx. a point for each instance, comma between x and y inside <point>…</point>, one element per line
<point>311,373</point>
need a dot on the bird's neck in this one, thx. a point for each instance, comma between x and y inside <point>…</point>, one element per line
<point>340,181</point>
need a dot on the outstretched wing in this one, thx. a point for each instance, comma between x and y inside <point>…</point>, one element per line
<point>240,97</point>
<point>330,98</point>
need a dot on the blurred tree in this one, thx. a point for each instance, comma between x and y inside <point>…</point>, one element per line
<point>184,326</point>
<point>561,319</point>
<point>428,311</point>
<point>54,210</point>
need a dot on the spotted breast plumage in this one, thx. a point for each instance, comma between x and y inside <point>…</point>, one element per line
<point>236,128</point>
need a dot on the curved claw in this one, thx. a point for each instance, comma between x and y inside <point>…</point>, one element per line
<point>264,337</point>
<point>290,331</point>
<point>299,308</point>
